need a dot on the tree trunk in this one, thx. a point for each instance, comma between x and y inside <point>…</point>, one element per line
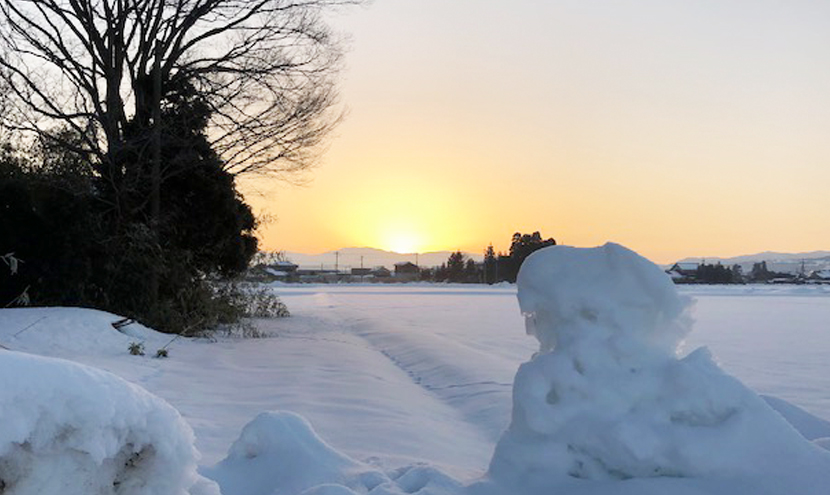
<point>155,191</point>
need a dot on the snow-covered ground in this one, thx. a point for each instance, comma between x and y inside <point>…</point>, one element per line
<point>409,387</point>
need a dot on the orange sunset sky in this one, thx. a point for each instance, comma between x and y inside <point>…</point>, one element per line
<point>677,128</point>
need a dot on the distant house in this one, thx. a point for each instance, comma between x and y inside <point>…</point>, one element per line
<point>683,272</point>
<point>381,272</point>
<point>407,271</point>
<point>315,275</point>
<point>685,267</point>
<point>282,271</point>
<point>819,277</point>
<point>284,266</point>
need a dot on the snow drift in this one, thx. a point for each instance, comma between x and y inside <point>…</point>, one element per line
<point>72,333</point>
<point>279,453</point>
<point>71,429</point>
<point>607,397</point>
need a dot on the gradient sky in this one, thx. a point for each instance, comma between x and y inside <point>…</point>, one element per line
<point>675,128</point>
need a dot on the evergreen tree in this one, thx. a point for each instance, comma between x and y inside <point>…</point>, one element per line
<point>490,265</point>
<point>713,274</point>
<point>760,272</point>
<point>441,273</point>
<point>90,242</point>
<point>522,246</point>
<point>455,267</point>
<point>471,272</point>
<point>737,274</point>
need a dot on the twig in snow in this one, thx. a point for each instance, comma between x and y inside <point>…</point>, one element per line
<point>30,326</point>
<point>123,322</point>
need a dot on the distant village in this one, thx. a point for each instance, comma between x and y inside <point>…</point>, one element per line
<point>286,271</point>
<point>758,273</point>
<point>680,273</point>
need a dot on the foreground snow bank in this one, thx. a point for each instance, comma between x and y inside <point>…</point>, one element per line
<point>71,429</point>
<point>72,332</point>
<point>279,453</point>
<point>606,396</point>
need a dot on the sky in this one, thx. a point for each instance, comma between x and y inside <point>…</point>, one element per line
<point>676,128</point>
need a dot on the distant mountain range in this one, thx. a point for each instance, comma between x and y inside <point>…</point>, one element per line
<point>347,258</point>
<point>778,262</point>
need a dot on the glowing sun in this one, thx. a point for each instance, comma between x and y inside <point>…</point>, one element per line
<point>402,242</point>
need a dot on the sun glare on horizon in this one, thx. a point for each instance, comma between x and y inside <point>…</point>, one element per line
<point>399,220</point>
<point>402,242</point>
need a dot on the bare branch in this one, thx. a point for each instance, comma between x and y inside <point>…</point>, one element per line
<point>264,67</point>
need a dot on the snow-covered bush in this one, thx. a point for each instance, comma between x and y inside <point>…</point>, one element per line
<point>136,348</point>
<point>70,429</point>
<point>251,300</point>
<point>264,303</point>
<point>607,396</point>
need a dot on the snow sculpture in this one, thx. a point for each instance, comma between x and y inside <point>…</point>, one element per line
<point>607,397</point>
<point>71,429</point>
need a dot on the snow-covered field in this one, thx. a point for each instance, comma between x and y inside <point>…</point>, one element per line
<point>409,388</point>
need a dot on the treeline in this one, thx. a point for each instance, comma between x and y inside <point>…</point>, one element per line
<point>496,267</point>
<point>720,274</point>
<point>82,238</point>
<point>504,267</point>
<point>123,129</point>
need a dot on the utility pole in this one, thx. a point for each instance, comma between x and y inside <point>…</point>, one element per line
<point>337,261</point>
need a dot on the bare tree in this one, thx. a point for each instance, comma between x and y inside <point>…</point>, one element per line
<point>104,69</point>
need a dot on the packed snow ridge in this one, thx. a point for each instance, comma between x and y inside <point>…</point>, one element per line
<point>607,396</point>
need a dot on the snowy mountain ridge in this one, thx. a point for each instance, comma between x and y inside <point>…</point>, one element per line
<point>768,256</point>
<point>779,262</point>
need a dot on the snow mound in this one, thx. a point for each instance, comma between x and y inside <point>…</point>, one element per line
<point>280,453</point>
<point>70,429</point>
<point>606,397</point>
<point>70,332</point>
<point>280,449</point>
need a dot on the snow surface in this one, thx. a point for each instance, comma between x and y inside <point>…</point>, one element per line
<point>411,386</point>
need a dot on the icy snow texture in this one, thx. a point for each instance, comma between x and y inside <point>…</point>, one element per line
<point>71,429</point>
<point>606,396</point>
<point>278,453</point>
